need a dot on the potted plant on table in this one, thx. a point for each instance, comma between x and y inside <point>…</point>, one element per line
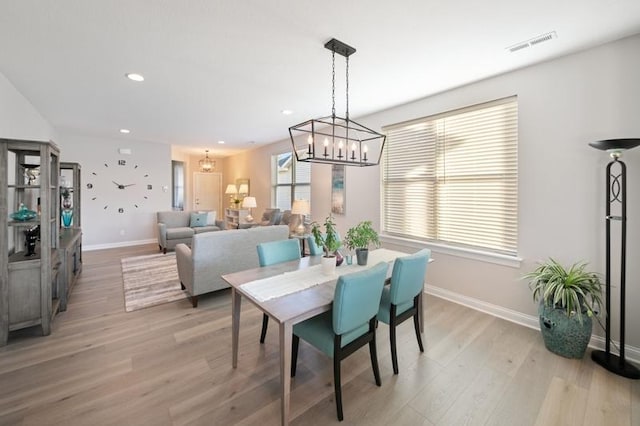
<point>568,297</point>
<point>329,242</point>
<point>359,238</point>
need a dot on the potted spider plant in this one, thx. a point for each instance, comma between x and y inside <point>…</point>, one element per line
<point>568,297</point>
<point>329,242</point>
<point>359,238</point>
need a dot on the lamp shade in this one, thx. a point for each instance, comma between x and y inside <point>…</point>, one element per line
<point>300,207</point>
<point>249,202</point>
<point>244,189</point>
<point>615,144</point>
<point>231,189</point>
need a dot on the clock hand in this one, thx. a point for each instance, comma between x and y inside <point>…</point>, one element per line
<point>118,185</point>
<point>131,184</point>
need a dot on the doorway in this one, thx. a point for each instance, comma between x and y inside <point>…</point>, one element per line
<point>207,191</point>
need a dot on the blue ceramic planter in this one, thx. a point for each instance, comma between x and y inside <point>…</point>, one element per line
<point>564,335</point>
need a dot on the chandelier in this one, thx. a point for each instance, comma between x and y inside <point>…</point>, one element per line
<point>207,164</point>
<point>333,139</point>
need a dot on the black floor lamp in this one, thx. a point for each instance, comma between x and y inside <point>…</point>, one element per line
<point>616,193</point>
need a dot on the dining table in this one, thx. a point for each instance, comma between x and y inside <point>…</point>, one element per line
<point>291,292</point>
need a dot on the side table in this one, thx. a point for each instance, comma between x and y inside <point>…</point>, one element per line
<point>303,241</point>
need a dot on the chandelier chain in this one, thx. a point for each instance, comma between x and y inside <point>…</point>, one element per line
<point>333,83</point>
<point>347,111</point>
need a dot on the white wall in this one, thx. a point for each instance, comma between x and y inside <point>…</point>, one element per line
<point>563,105</point>
<point>19,120</point>
<point>106,227</point>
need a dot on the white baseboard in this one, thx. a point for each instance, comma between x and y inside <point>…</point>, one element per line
<point>632,353</point>
<point>117,245</point>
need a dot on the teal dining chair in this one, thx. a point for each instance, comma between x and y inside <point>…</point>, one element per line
<point>273,252</point>
<point>401,300</point>
<point>314,249</point>
<point>349,325</point>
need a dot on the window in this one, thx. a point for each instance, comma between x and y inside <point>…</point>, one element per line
<point>453,178</point>
<point>177,180</point>
<point>291,180</point>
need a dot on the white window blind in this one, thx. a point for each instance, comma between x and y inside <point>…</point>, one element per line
<point>453,178</point>
<point>291,180</point>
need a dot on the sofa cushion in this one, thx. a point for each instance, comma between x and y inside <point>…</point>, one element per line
<point>181,232</point>
<point>202,229</point>
<point>198,219</point>
<point>174,219</point>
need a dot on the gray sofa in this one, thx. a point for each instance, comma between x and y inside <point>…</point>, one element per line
<point>173,229</point>
<point>213,254</point>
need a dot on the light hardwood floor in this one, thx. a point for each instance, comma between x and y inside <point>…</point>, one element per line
<point>171,364</point>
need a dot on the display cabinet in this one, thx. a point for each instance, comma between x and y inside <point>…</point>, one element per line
<point>29,225</point>
<point>234,217</point>
<point>70,253</point>
<point>70,247</point>
<point>70,182</point>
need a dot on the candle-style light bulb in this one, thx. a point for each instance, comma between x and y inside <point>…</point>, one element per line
<point>365,150</point>
<point>310,142</point>
<point>353,151</point>
<point>340,145</point>
<point>326,144</point>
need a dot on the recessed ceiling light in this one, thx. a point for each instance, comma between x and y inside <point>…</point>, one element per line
<point>286,112</point>
<point>134,76</point>
<point>221,142</point>
<point>125,131</point>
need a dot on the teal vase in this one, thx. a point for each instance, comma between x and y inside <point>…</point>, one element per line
<point>564,335</point>
<point>67,217</point>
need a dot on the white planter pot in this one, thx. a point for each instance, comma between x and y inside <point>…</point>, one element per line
<point>328,265</point>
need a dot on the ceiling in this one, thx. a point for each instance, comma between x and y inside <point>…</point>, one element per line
<point>224,70</point>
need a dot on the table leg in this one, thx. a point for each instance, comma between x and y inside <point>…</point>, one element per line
<point>236,298</point>
<point>286,333</point>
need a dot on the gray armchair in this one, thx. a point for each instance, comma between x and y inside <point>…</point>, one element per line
<point>271,217</point>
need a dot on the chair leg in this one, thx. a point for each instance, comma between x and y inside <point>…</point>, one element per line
<point>374,360</point>
<point>194,301</point>
<point>394,354</point>
<point>337,386</point>
<point>416,325</point>
<point>265,324</point>
<point>182,287</point>
<point>392,338</point>
<point>295,342</point>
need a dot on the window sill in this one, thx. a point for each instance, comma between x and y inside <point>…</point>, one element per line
<point>482,256</point>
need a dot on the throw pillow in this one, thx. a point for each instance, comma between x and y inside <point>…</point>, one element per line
<point>211,217</point>
<point>198,220</point>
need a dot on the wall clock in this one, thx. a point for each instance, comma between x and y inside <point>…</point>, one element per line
<point>121,186</point>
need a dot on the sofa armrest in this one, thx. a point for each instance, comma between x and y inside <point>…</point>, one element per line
<point>185,266</point>
<point>162,234</point>
<point>222,224</point>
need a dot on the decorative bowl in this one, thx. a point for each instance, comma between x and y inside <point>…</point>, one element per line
<point>24,215</point>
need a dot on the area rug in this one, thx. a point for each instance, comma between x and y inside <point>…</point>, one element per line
<point>150,280</point>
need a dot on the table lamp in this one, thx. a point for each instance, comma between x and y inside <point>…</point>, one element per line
<point>244,189</point>
<point>302,208</point>
<point>249,203</point>
<point>232,191</point>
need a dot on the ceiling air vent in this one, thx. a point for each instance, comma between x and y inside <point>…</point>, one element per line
<point>532,42</point>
